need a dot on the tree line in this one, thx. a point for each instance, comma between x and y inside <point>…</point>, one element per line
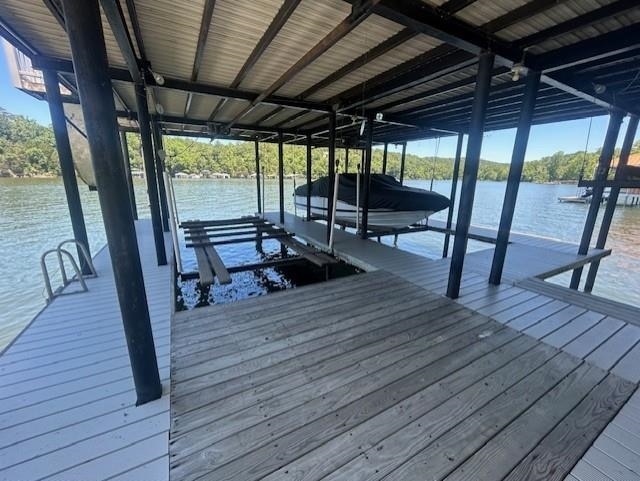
<point>28,149</point>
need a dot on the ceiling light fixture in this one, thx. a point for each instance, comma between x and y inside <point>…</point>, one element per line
<point>599,88</point>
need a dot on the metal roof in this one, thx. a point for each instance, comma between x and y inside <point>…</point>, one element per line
<point>249,68</point>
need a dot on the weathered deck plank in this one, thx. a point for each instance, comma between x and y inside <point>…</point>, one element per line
<point>373,387</point>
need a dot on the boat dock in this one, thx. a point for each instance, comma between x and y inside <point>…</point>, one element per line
<point>363,377</point>
<point>473,367</point>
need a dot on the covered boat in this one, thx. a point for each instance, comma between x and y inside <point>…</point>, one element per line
<point>391,204</point>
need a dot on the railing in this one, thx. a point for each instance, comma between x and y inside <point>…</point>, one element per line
<point>60,254</point>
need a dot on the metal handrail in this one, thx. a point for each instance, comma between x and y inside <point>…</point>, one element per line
<point>85,254</point>
<point>60,252</point>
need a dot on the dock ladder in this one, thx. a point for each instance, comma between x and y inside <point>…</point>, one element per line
<point>60,254</point>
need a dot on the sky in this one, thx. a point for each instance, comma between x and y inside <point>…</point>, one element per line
<point>497,145</point>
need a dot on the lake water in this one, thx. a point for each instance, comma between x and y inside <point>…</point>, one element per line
<point>34,218</point>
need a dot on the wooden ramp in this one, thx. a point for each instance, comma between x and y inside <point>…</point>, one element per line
<point>372,377</point>
<point>67,400</point>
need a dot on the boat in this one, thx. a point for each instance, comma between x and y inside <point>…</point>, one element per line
<point>584,198</point>
<point>391,204</point>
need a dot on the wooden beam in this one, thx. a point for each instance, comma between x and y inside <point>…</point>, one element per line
<point>355,18</point>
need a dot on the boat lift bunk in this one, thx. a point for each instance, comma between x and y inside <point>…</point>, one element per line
<point>204,235</point>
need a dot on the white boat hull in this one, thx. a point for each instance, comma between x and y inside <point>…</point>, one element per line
<point>378,218</point>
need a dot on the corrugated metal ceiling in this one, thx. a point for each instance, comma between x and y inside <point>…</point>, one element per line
<point>170,30</point>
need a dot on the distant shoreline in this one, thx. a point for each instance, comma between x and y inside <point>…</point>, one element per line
<point>271,177</point>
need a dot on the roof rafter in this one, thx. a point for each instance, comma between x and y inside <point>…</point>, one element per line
<point>382,48</point>
<point>281,17</point>
<point>355,18</point>
<point>424,18</point>
<point>115,17</point>
<point>205,23</point>
<point>171,83</point>
<point>497,24</point>
<point>575,23</point>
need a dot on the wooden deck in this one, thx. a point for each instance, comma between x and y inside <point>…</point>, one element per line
<point>373,377</point>
<point>66,393</point>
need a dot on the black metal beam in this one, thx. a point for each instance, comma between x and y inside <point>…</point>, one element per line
<point>169,119</point>
<point>67,168</point>
<point>137,32</point>
<point>515,174</point>
<point>604,162</point>
<point>581,21</point>
<point>285,11</point>
<point>61,65</point>
<point>158,147</point>
<point>144,123</point>
<point>203,34</point>
<point>346,160</point>
<point>384,157</point>
<point>612,201</point>
<point>452,196</point>
<point>90,59</point>
<point>113,11</point>
<point>309,166</point>
<point>258,193</point>
<point>127,171</point>
<point>331,159</point>
<point>11,36</point>
<point>291,118</point>
<point>281,177</point>
<point>402,161</point>
<point>518,14</point>
<point>503,21</point>
<point>370,55</point>
<point>428,20</point>
<point>470,175</point>
<point>367,152</point>
<point>355,18</point>
<point>431,65</point>
<point>595,48</point>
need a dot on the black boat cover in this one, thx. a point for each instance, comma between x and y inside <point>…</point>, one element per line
<point>385,193</point>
